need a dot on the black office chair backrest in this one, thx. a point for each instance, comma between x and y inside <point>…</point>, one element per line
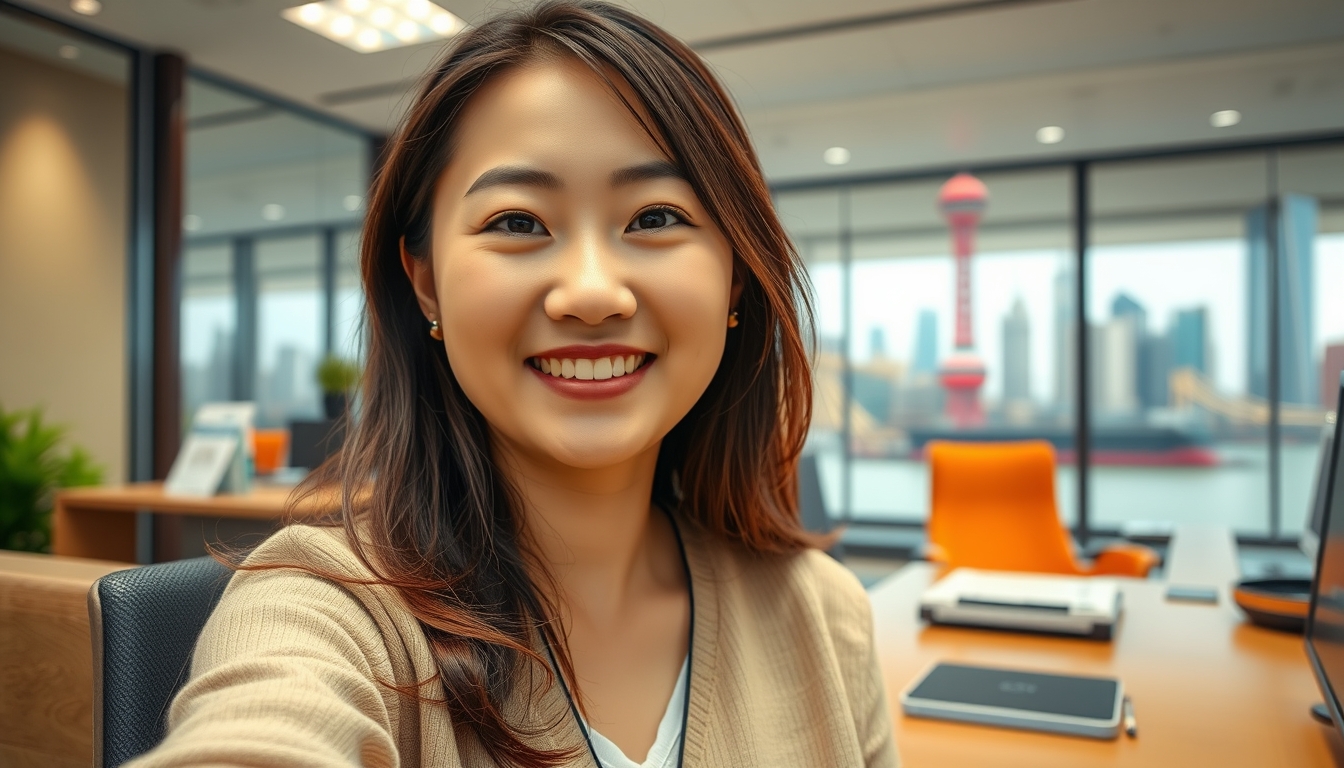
<point>144,623</point>
<point>812,505</point>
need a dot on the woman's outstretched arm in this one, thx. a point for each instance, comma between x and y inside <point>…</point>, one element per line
<point>286,673</point>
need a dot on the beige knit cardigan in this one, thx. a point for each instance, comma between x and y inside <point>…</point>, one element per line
<point>287,670</point>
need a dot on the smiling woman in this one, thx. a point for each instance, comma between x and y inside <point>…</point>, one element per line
<point>569,532</point>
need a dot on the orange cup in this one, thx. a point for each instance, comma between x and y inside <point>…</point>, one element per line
<point>270,446</point>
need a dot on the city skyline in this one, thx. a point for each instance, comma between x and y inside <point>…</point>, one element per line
<point>1202,290</point>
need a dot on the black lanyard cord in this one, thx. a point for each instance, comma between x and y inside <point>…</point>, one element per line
<point>690,649</point>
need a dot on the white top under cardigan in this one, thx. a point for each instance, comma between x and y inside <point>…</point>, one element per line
<point>666,746</point>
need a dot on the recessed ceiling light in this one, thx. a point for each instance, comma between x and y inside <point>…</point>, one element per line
<point>272,212</point>
<point>68,52</point>
<point>1225,118</point>
<point>86,7</point>
<point>191,222</point>
<point>352,202</point>
<point>376,25</point>
<point>836,156</point>
<point>1050,134</point>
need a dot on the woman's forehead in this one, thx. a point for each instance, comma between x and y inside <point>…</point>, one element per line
<point>556,110</point>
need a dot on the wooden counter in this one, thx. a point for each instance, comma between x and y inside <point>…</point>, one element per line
<point>100,522</point>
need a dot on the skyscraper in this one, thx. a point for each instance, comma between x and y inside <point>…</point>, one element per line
<point>1017,354</point>
<point>1064,310</point>
<point>877,342</point>
<point>1298,215</point>
<point>1149,353</point>
<point>1115,368</point>
<point>1125,306</point>
<point>926,342</point>
<point>1190,339</point>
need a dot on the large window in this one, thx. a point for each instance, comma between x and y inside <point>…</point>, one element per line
<point>1178,337</point>
<point>274,202</point>
<point>893,341</point>
<point>1197,410</point>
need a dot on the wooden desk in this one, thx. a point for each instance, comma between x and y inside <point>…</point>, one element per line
<point>1208,689</point>
<point>46,663</point>
<point>100,522</point>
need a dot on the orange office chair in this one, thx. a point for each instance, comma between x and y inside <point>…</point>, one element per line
<point>994,508</point>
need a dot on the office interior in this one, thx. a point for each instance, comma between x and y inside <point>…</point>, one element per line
<point>1152,289</point>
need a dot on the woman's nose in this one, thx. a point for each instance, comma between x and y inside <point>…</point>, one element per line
<point>591,286</point>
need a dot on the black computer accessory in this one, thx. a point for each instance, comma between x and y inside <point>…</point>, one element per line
<point>1325,614</point>
<point>1011,698</point>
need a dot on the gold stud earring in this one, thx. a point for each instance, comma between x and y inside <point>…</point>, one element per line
<point>435,330</point>
<point>732,319</point>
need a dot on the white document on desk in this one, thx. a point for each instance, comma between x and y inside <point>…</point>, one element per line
<point>201,465</point>
<point>1074,605</point>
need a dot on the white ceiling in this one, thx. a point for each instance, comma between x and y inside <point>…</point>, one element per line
<point>942,90</point>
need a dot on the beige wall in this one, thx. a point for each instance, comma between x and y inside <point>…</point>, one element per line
<point>63,219</point>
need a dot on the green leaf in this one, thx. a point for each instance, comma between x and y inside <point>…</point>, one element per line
<point>34,463</point>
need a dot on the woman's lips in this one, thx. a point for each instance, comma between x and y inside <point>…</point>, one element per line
<point>588,376</point>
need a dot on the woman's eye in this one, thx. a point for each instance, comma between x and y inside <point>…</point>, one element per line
<point>655,218</point>
<point>518,224</point>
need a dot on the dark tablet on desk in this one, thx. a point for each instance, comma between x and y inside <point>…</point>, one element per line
<point>1080,706</point>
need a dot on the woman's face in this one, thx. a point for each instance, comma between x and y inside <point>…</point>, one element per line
<point>582,289</point>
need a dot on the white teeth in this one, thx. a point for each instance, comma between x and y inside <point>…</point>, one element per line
<point>589,369</point>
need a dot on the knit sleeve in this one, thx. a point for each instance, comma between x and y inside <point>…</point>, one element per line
<point>285,673</point>
<point>850,616</point>
<point>872,713</point>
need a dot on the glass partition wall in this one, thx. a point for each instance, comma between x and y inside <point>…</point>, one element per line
<point>948,308</point>
<point>274,202</point>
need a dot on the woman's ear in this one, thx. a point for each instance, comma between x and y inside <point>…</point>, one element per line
<point>421,274</point>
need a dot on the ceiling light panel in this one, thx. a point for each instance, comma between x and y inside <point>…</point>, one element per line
<point>376,25</point>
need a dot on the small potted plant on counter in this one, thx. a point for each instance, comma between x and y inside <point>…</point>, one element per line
<point>337,377</point>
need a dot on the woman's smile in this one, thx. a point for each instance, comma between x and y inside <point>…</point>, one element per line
<point>586,372</point>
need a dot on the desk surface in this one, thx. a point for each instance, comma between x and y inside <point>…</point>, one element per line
<point>262,502</point>
<point>1208,689</point>
<point>99,522</point>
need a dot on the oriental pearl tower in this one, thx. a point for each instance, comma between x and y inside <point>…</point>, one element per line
<point>962,201</point>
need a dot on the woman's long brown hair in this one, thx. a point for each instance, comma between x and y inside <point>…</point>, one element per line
<point>423,503</point>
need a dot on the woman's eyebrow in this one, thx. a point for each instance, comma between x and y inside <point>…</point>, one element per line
<point>650,171</point>
<point>515,175</point>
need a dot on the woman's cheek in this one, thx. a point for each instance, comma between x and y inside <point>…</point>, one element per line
<point>482,313</point>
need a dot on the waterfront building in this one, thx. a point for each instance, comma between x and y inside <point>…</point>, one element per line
<point>1297,220</point>
<point>1017,354</point>
<point>925,359</point>
<point>1063,320</point>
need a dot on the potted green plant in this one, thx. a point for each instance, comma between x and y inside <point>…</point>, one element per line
<point>337,377</point>
<point>33,465</point>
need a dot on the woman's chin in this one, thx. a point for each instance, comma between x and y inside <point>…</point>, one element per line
<point>594,450</point>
